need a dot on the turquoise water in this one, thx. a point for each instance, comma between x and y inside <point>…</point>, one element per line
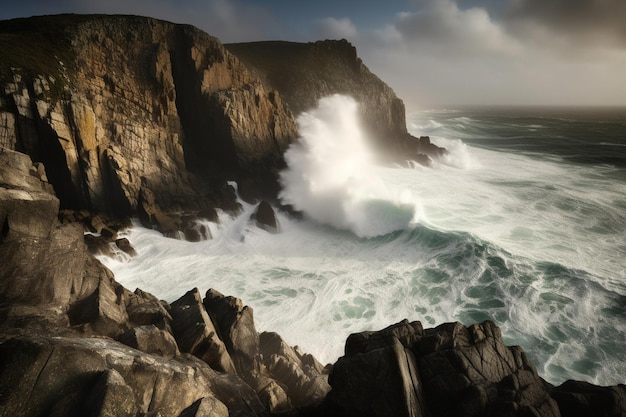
<point>523,223</point>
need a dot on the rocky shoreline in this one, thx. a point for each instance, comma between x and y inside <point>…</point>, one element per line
<point>125,115</point>
<point>75,342</point>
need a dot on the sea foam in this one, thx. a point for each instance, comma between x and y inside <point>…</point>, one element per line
<point>332,178</point>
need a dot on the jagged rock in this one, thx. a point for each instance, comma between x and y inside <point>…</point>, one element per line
<point>147,106</point>
<point>235,324</point>
<point>41,262</point>
<point>144,308</point>
<point>265,218</point>
<point>451,370</point>
<point>272,395</point>
<point>578,399</point>
<point>124,245</point>
<point>41,373</point>
<point>195,334</point>
<point>104,310</point>
<point>151,339</point>
<point>301,375</point>
<point>378,376</point>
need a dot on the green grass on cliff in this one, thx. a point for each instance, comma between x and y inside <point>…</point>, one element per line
<point>37,46</point>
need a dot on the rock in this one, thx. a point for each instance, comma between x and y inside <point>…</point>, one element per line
<point>235,325</point>
<point>206,407</point>
<point>195,334</point>
<point>124,245</point>
<point>451,370</point>
<point>265,218</point>
<point>577,399</point>
<point>95,374</point>
<point>150,339</point>
<point>272,395</point>
<point>104,310</point>
<point>383,381</point>
<point>144,309</point>
<point>110,396</point>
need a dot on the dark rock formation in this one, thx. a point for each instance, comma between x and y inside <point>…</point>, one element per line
<point>453,370</point>
<point>265,218</point>
<point>74,342</point>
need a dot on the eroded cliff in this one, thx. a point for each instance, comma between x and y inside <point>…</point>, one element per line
<point>147,115</point>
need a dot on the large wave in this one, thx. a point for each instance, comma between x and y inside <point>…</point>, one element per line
<point>332,178</point>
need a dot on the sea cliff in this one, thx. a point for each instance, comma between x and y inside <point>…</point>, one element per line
<point>123,115</point>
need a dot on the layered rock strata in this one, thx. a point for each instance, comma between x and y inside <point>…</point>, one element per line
<point>151,118</point>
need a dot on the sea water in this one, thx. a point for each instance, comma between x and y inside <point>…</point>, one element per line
<point>522,223</point>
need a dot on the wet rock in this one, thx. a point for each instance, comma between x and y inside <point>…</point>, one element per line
<point>265,218</point>
<point>124,245</point>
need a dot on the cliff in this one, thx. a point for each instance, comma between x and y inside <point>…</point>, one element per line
<point>134,114</point>
<point>305,72</point>
<point>127,115</point>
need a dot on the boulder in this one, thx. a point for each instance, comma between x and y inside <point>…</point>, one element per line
<point>265,218</point>
<point>124,245</point>
<point>451,370</point>
<point>304,379</point>
<point>235,325</point>
<point>104,311</point>
<point>144,308</point>
<point>195,333</point>
<point>150,339</point>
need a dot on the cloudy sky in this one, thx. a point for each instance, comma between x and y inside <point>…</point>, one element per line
<point>434,53</point>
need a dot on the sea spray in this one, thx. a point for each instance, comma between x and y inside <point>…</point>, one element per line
<point>332,178</point>
<point>534,243</point>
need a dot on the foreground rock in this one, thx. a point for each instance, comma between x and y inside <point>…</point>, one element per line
<point>453,370</point>
<point>73,341</point>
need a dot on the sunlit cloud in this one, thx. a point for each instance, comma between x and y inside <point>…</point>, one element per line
<point>332,28</point>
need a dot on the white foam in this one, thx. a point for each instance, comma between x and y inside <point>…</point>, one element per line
<point>315,284</point>
<point>331,175</point>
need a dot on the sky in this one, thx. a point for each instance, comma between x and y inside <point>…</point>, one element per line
<point>433,53</point>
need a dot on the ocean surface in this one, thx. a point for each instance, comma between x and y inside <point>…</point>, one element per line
<point>522,223</point>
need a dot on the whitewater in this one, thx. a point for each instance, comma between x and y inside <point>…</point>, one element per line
<point>511,226</point>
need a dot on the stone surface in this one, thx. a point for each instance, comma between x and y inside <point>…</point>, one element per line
<point>451,370</point>
<point>305,72</point>
<point>235,325</point>
<point>147,107</point>
<point>265,218</point>
<point>195,333</point>
<point>42,373</point>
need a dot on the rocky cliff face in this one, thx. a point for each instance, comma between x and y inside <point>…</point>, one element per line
<point>305,72</point>
<point>131,115</point>
<point>146,108</point>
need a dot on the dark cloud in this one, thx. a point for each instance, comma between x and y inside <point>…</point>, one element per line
<point>588,21</point>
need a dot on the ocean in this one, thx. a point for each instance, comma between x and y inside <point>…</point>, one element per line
<point>522,223</point>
